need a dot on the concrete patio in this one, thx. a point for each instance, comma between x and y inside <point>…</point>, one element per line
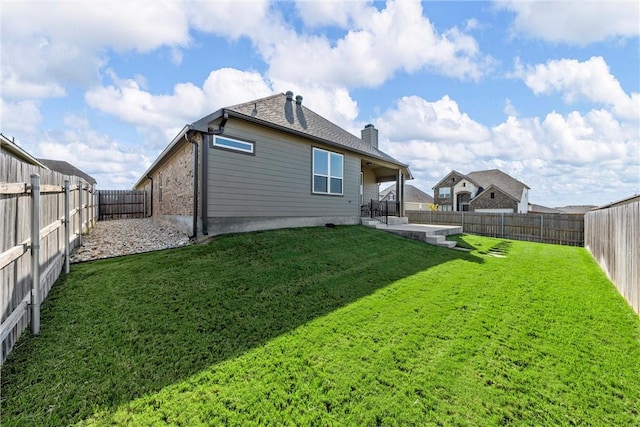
<point>432,234</point>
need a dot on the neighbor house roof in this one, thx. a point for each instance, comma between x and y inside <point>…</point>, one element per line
<point>9,146</point>
<point>290,116</point>
<point>533,208</point>
<point>66,168</point>
<point>412,194</point>
<point>499,179</point>
<point>576,209</point>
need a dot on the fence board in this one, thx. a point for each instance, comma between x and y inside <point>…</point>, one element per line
<point>563,229</point>
<point>15,236</point>
<point>612,236</point>
<point>121,204</point>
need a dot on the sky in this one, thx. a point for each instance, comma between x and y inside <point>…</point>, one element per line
<point>546,91</point>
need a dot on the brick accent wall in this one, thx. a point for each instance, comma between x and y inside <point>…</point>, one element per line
<point>450,181</point>
<point>175,180</point>
<point>500,201</point>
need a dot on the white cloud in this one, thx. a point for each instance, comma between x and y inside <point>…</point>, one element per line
<point>590,80</point>
<point>400,31</point>
<point>440,121</point>
<point>575,22</point>
<point>108,161</point>
<point>561,157</point>
<point>159,117</point>
<point>331,12</point>
<point>41,39</point>
<point>19,117</point>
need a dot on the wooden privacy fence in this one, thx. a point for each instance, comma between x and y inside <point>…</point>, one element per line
<point>612,236</point>
<point>44,214</point>
<point>562,229</point>
<point>121,204</point>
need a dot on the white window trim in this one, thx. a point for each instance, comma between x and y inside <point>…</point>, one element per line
<point>328,175</point>
<point>218,143</point>
<point>440,193</point>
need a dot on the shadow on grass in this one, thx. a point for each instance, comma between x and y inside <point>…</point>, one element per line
<point>115,330</point>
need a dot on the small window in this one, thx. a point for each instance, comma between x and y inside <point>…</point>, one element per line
<point>444,192</point>
<point>246,147</point>
<point>327,172</point>
<point>160,187</point>
<point>493,195</point>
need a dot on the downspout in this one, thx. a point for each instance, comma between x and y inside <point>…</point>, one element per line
<point>151,198</point>
<point>205,169</point>
<point>204,209</point>
<point>195,186</point>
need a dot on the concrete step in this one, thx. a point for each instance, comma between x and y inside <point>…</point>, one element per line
<point>422,236</point>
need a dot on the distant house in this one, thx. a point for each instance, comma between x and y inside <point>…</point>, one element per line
<point>481,191</point>
<point>263,164</point>
<point>66,168</point>
<point>9,147</point>
<point>414,198</point>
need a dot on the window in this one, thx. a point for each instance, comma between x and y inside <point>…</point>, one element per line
<point>493,195</point>
<point>445,208</point>
<point>327,172</point>
<point>444,192</point>
<point>160,187</point>
<point>246,147</point>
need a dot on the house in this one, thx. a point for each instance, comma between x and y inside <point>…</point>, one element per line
<point>414,198</point>
<point>66,168</point>
<point>481,191</point>
<point>9,147</point>
<point>264,164</point>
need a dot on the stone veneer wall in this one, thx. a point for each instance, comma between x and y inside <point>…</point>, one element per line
<point>500,201</point>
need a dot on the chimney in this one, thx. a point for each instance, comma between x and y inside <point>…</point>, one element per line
<point>289,95</point>
<point>298,99</point>
<point>370,135</point>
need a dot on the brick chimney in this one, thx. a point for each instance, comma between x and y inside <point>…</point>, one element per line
<point>370,135</point>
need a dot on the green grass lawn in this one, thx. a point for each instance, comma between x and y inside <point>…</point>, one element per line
<point>342,326</point>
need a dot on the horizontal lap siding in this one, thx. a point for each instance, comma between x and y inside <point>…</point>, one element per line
<point>276,181</point>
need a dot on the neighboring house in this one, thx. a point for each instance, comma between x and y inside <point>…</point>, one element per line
<point>8,146</point>
<point>414,198</point>
<point>264,164</point>
<point>481,191</point>
<point>66,168</point>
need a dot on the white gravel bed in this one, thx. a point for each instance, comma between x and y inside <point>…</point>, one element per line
<point>127,236</point>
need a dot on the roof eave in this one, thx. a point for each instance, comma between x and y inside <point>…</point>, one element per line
<point>160,159</point>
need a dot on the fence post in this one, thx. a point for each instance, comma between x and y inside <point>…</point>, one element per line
<point>462,220</point>
<point>35,254</point>
<point>80,211</point>
<point>541,227</point>
<point>67,223</point>
<point>502,226</point>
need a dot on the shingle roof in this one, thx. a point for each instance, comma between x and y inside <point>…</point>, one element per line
<point>496,177</point>
<point>67,169</point>
<point>411,194</point>
<point>289,115</point>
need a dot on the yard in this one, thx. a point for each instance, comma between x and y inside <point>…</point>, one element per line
<point>331,326</point>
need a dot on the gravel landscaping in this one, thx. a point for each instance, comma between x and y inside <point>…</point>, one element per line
<point>127,236</point>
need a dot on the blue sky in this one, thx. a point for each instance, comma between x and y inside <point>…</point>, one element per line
<point>548,92</point>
